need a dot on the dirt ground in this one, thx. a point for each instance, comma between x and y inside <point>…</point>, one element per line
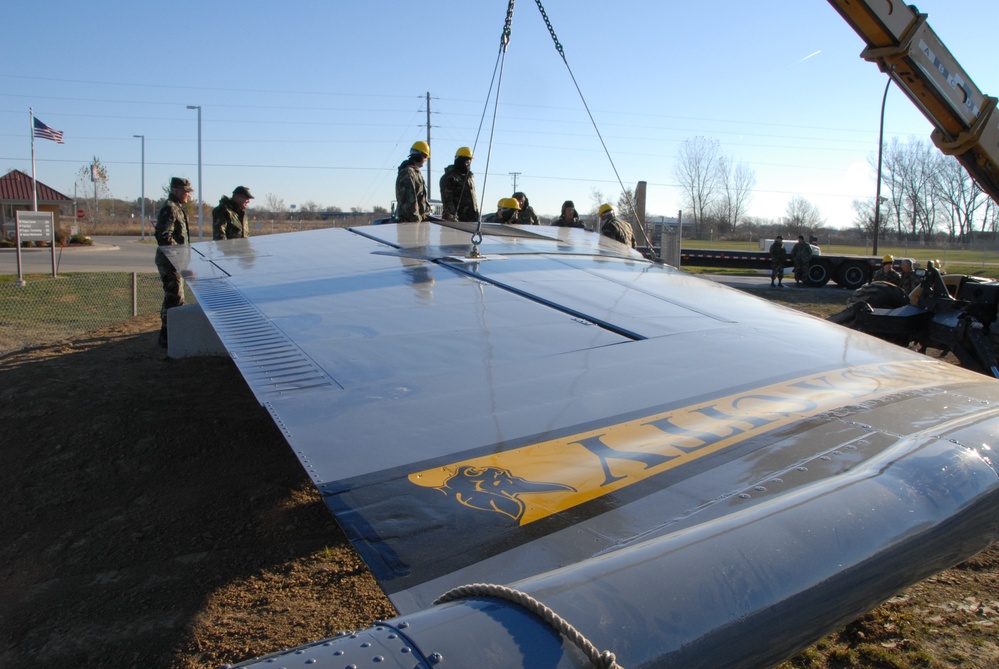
<point>153,516</point>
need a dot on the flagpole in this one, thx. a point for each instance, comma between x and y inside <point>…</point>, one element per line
<point>17,227</point>
<point>34,183</point>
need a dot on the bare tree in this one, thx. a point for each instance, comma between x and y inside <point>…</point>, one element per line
<point>697,173</point>
<point>802,216</point>
<point>311,207</point>
<point>274,204</point>
<point>737,184</point>
<point>960,196</point>
<point>910,172</point>
<point>990,217</point>
<point>864,217</point>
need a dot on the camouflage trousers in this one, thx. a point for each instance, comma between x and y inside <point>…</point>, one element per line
<point>173,286</point>
<point>800,270</point>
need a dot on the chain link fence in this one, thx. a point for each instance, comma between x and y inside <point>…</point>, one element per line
<point>47,309</point>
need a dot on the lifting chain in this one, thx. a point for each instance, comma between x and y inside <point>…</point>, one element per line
<point>551,30</point>
<point>505,37</point>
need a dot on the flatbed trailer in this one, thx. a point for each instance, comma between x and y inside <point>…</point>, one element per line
<point>848,271</point>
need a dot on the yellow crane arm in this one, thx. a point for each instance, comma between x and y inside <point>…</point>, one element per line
<point>904,46</point>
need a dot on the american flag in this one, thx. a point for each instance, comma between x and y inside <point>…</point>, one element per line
<point>42,131</point>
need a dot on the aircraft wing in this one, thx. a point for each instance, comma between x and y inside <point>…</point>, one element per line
<point>686,473</point>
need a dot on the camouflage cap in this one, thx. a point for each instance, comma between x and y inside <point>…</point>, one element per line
<point>242,190</point>
<point>177,182</point>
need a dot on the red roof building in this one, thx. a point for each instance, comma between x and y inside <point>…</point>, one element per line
<point>16,195</point>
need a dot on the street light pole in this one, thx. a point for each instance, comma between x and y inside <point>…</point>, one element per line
<point>881,144</point>
<point>143,223</point>
<point>198,107</point>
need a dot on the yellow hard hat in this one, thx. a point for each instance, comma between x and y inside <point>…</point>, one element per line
<point>508,203</point>
<point>887,259</point>
<point>463,152</point>
<point>422,147</point>
<point>604,208</point>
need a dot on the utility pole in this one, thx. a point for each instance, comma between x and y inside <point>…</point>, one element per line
<point>515,175</point>
<point>429,173</point>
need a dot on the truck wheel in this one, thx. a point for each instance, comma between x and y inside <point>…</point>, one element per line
<point>852,275</point>
<point>818,274</point>
<point>880,295</point>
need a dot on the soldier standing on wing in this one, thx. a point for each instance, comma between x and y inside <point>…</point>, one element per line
<point>410,189</point>
<point>611,226</point>
<point>458,188</point>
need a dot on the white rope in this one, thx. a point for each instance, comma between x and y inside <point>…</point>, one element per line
<point>601,659</point>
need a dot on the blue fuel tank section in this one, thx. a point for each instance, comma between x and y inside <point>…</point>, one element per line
<point>689,476</point>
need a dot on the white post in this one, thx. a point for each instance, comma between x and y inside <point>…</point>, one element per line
<point>198,107</point>
<point>143,191</point>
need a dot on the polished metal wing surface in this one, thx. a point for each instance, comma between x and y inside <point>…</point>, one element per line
<point>667,460</point>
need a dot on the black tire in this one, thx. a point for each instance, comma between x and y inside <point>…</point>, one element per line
<point>880,295</point>
<point>852,275</point>
<point>818,274</point>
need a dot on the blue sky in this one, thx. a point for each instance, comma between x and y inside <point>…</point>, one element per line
<point>320,101</point>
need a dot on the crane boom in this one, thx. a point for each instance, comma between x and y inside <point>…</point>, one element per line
<point>904,46</point>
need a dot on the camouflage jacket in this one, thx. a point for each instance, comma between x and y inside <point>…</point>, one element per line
<point>458,195</point>
<point>527,216</point>
<point>778,256</point>
<point>171,224</point>
<point>410,194</point>
<point>801,252</point>
<point>228,222</point>
<point>891,276</point>
<point>619,230</point>
<point>497,217</point>
<point>908,281</point>
<point>574,222</point>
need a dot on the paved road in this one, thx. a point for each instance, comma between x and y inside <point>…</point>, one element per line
<point>131,254</point>
<point>108,254</point>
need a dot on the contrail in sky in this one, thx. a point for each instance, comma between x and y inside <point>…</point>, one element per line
<point>810,55</point>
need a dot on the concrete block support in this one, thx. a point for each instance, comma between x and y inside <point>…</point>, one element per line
<point>191,334</point>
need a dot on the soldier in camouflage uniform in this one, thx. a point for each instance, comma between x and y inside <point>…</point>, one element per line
<point>887,272</point>
<point>801,254</point>
<point>410,189</point>
<point>569,218</point>
<point>171,229</point>
<point>507,211</point>
<point>611,227</point>
<point>527,215</point>
<point>908,279</point>
<point>458,188</point>
<point>229,218</point>
<point>778,258</point>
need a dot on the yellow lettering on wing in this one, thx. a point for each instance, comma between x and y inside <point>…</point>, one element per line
<point>537,480</point>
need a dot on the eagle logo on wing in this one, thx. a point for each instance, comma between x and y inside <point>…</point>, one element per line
<point>495,489</point>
